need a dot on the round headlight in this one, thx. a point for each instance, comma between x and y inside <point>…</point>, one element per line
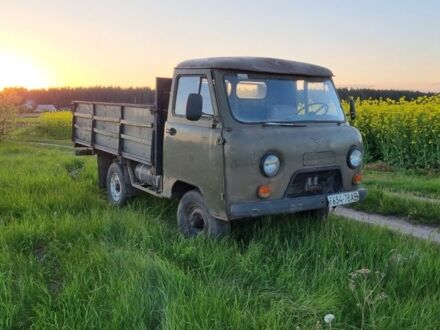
<point>270,165</point>
<point>354,158</point>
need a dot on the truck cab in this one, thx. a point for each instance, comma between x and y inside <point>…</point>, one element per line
<point>240,137</point>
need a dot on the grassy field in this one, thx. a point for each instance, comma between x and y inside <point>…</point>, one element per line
<point>403,193</point>
<point>409,182</point>
<point>53,126</point>
<point>69,260</point>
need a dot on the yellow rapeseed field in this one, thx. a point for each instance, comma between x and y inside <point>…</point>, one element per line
<point>401,133</point>
<point>56,124</point>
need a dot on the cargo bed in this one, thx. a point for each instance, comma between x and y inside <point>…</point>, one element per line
<point>128,131</point>
<point>125,130</point>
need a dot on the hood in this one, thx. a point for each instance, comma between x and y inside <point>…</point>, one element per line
<point>314,147</point>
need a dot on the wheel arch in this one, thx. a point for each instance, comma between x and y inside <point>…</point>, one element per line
<point>180,188</point>
<point>104,161</point>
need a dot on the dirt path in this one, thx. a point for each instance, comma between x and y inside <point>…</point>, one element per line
<point>394,223</point>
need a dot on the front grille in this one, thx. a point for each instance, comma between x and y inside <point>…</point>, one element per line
<point>314,183</point>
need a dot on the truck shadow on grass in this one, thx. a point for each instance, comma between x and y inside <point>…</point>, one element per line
<point>243,232</point>
<point>291,229</point>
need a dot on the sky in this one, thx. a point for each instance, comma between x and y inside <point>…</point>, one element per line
<point>366,43</point>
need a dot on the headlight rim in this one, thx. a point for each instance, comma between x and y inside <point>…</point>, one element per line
<point>264,158</point>
<point>350,152</point>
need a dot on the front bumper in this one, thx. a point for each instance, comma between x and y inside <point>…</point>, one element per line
<point>285,205</point>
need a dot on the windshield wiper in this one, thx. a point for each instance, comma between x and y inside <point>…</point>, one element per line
<point>275,123</point>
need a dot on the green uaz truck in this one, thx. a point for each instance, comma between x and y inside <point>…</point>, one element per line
<point>231,138</point>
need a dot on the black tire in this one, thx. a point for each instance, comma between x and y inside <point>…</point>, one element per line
<point>193,218</point>
<point>117,185</point>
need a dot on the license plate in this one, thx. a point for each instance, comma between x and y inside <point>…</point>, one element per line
<point>343,198</point>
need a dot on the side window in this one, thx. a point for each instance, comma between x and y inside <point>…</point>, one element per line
<point>206,95</point>
<point>192,84</point>
<point>186,85</point>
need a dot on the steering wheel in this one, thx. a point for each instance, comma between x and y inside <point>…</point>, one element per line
<point>281,112</point>
<point>322,107</point>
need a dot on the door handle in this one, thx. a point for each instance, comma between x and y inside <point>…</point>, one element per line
<point>171,131</point>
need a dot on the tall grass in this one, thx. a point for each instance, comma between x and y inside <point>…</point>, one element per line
<point>405,205</point>
<point>403,193</point>
<point>49,126</point>
<point>423,185</point>
<point>69,260</point>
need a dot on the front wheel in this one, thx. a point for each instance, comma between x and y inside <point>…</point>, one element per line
<point>193,218</point>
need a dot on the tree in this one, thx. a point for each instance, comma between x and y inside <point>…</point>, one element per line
<point>9,106</point>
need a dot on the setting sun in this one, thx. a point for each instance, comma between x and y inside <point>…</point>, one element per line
<point>18,71</point>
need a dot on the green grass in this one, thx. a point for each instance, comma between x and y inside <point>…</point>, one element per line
<point>54,126</point>
<point>69,260</point>
<point>403,193</point>
<point>383,202</point>
<point>26,119</point>
<point>425,185</point>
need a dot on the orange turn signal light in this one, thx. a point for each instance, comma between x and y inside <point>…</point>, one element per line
<point>264,191</point>
<point>357,178</point>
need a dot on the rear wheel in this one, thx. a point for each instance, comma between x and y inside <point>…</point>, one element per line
<point>117,190</point>
<point>193,218</point>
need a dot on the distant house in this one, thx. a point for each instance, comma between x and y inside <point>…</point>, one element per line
<point>29,106</point>
<point>45,108</point>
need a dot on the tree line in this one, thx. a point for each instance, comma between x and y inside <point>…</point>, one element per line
<point>366,93</point>
<point>63,96</point>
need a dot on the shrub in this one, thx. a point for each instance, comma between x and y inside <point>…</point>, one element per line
<point>56,125</point>
<point>8,109</point>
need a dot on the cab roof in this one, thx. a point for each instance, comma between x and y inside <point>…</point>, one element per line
<point>257,64</point>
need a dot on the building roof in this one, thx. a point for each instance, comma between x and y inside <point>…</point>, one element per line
<point>45,107</point>
<point>257,64</point>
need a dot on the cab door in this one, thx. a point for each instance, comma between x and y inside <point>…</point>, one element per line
<point>193,150</point>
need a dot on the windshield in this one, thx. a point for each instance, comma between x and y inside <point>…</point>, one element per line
<point>257,98</point>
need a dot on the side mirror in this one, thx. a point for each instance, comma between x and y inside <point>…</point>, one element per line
<point>194,106</point>
<point>352,109</point>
